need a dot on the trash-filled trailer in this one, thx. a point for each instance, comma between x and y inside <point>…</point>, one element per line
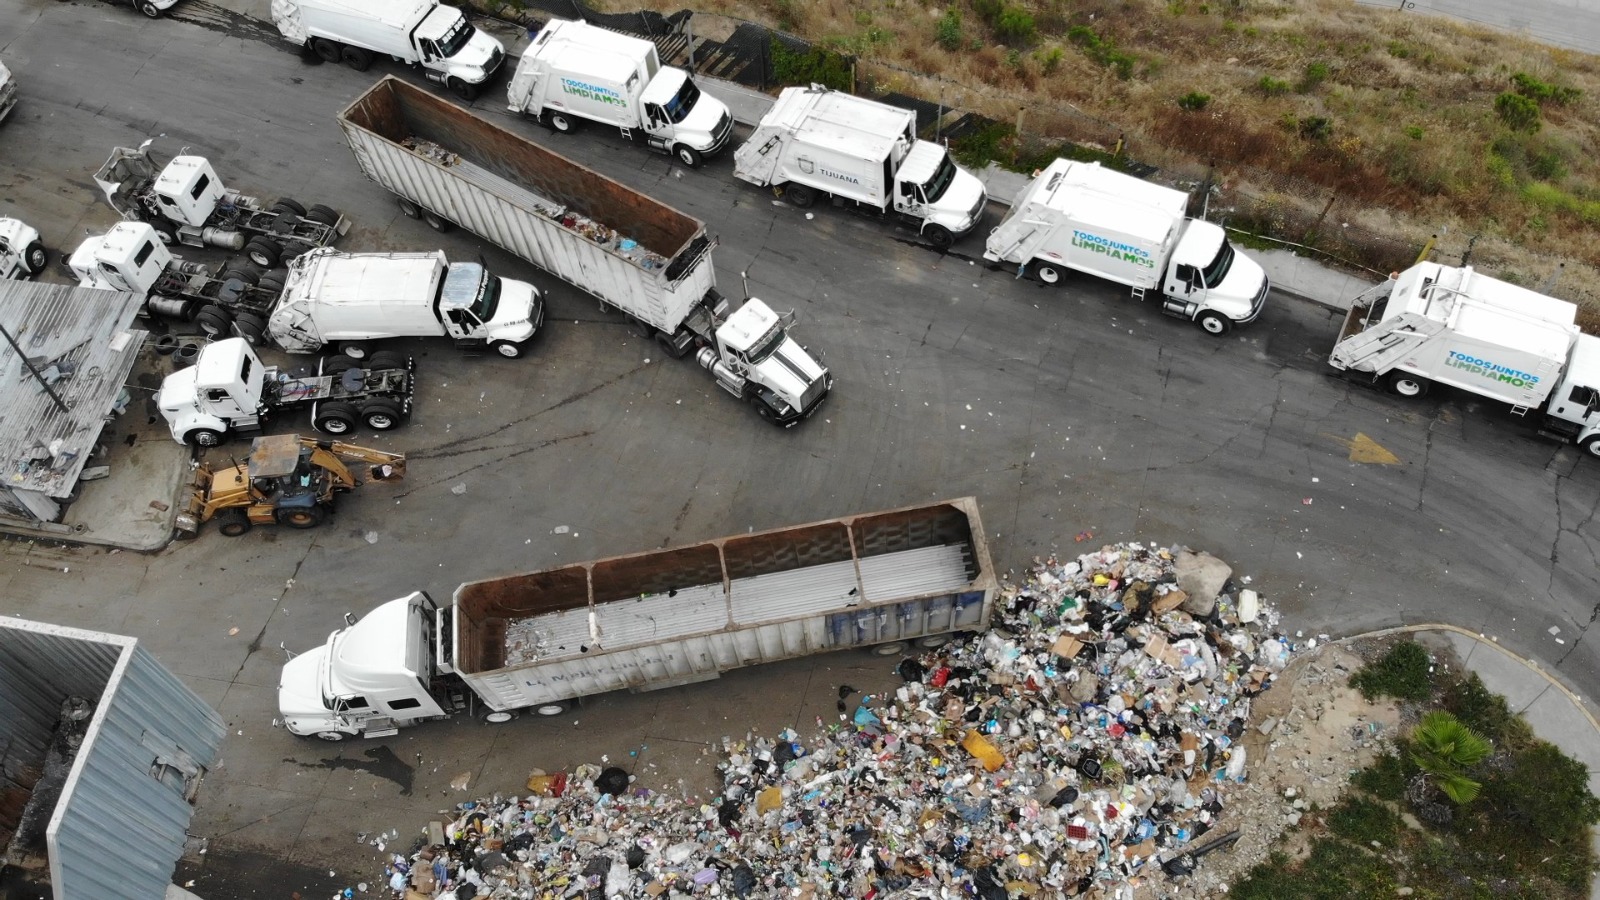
<point>661,618</point>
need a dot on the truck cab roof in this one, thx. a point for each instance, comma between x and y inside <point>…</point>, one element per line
<point>369,656</point>
<point>748,325</point>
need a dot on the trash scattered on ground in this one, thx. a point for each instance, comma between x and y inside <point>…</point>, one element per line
<point>1080,748</point>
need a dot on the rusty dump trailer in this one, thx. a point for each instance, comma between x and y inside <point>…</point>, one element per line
<point>449,166</point>
<point>667,617</point>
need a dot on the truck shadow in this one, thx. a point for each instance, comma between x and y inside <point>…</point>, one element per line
<point>381,762</point>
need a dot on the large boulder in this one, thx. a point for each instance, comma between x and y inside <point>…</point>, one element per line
<point>1201,576</point>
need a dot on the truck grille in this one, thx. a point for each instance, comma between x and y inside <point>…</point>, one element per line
<point>721,134</point>
<point>493,66</point>
<point>8,97</point>
<point>1260,302</point>
<point>814,394</point>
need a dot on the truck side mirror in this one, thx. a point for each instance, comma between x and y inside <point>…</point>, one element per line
<point>349,618</point>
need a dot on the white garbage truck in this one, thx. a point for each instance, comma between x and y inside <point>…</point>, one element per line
<point>350,300</point>
<point>22,253</point>
<point>1084,217</point>
<point>8,91</point>
<point>1455,326</point>
<point>865,155</point>
<point>574,71</point>
<point>423,33</point>
<point>648,260</point>
<point>882,581</point>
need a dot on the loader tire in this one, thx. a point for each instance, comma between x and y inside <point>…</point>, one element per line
<point>300,517</point>
<point>235,522</point>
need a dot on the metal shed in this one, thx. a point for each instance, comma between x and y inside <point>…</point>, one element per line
<point>102,753</point>
<point>65,355</point>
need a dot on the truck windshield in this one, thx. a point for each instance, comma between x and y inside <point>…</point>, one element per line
<point>489,300</point>
<point>768,343</point>
<point>457,37</point>
<point>683,101</point>
<point>940,182</point>
<point>1219,267</point>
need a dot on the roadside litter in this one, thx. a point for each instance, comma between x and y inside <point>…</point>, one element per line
<point>1079,748</point>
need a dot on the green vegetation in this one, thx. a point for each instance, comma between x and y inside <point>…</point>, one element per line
<point>1194,101</point>
<point>1316,73</point>
<point>1010,23</point>
<point>817,66</point>
<point>1539,92</point>
<point>1525,835</point>
<point>1401,673</point>
<point>1517,112</point>
<point>948,30</point>
<point>1272,86</point>
<point>1102,50</point>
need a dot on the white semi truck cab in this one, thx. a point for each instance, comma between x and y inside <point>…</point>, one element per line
<point>350,299</point>
<point>754,358</point>
<point>422,33</point>
<point>22,253</point>
<point>819,141</point>
<point>574,69</point>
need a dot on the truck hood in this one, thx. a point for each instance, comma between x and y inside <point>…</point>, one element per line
<point>702,121</point>
<point>961,207</point>
<point>300,693</point>
<point>789,372</point>
<point>17,233</point>
<point>478,59</point>
<point>178,391</point>
<point>519,313</point>
<point>1245,281</point>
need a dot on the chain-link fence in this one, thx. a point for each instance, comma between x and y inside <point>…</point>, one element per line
<point>984,124</point>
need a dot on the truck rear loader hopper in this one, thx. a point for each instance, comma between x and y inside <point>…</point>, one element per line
<point>668,617</point>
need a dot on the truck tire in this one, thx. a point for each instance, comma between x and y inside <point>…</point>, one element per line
<point>465,90</point>
<point>893,648</point>
<point>185,355</point>
<point>561,122</point>
<point>939,236</point>
<point>332,737</point>
<point>387,359</point>
<point>1591,445</point>
<point>326,50</point>
<point>408,208</point>
<point>1048,273</point>
<point>1214,323</point>
<point>554,708</point>
<point>235,522</point>
<point>149,9</point>
<point>1408,385</point>
<point>272,282</point>
<point>166,232</point>
<point>356,350</point>
<point>34,258</point>
<point>166,344</point>
<point>242,273</point>
<point>214,321</point>
<point>251,327</point>
<point>300,517</point>
<point>799,195</point>
<point>435,221</point>
<point>337,364</point>
<point>687,155</point>
<point>764,410</point>
<point>335,417</point>
<point>203,437</point>
<point>358,58</point>
<point>292,205</point>
<point>381,414</point>
<point>323,215</point>
<point>507,349</point>
<point>264,252</point>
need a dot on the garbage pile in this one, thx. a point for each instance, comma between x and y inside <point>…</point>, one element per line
<point>1079,748</point>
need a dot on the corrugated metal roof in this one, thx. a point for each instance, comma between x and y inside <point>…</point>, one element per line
<point>148,730</point>
<point>78,332</point>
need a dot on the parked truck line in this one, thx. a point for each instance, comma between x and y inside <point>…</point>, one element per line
<point>574,71</point>
<point>1458,327</point>
<point>1086,218</point>
<point>662,618</point>
<point>650,261</point>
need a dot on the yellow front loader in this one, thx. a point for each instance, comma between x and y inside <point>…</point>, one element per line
<point>286,480</point>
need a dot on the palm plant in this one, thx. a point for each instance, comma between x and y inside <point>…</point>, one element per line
<point>1444,749</point>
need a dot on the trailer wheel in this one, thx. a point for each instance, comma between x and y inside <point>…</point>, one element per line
<point>149,9</point>
<point>688,156</point>
<point>323,215</point>
<point>562,122</point>
<point>933,641</point>
<point>893,648</point>
<point>300,517</point>
<point>264,252</point>
<point>1214,323</point>
<point>34,258</point>
<point>251,327</point>
<point>235,522</point>
<point>214,321</point>
<point>381,414</point>
<point>507,349</point>
<point>799,195</point>
<point>465,90</point>
<point>1408,385</point>
<point>387,359</point>
<point>357,58</point>
<point>336,417</point>
<point>939,236</point>
<point>435,221</point>
<point>1048,273</point>
<point>499,717</point>
<point>326,50</point>
<point>408,208</point>
<point>555,708</point>
<point>1591,445</point>
<point>203,437</point>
